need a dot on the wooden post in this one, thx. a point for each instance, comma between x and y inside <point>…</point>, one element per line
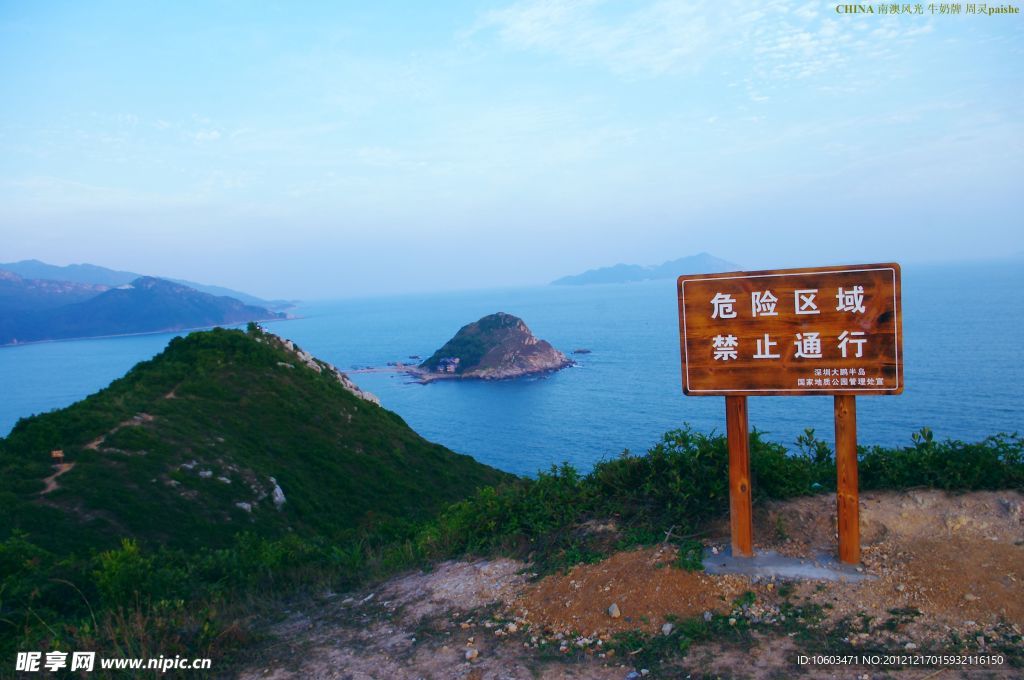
<point>739,477</point>
<point>847,498</point>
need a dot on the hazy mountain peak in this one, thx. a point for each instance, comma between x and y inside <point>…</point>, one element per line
<point>700,263</point>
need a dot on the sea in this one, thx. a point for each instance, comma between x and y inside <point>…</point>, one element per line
<point>963,336</point>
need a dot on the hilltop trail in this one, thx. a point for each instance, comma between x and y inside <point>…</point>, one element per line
<point>137,419</point>
<point>51,481</point>
<point>942,564</point>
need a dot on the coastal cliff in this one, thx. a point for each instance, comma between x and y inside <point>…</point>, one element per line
<point>496,347</point>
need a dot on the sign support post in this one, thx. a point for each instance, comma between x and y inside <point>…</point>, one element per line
<point>818,331</point>
<point>741,524</point>
<point>847,497</point>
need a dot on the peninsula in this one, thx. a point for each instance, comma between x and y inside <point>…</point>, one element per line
<point>496,347</point>
<point>34,310</point>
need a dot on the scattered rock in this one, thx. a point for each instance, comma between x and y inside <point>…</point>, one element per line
<point>910,646</point>
<point>667,629</point>
<point>613,611</point>
<point>206,474</point>
<point>277,494</point>
<point>472,654</point>
<point>244,506</point>
<point>320,366</point>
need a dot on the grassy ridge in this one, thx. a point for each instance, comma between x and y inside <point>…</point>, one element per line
<point>214,421</point>
<point>168,518</point>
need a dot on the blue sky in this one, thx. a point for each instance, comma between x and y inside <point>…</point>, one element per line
<point>335,149</point>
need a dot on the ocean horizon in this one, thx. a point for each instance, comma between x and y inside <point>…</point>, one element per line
<point>959,322</point>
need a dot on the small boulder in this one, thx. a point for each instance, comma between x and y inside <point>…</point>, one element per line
<point>277,494</point>
<point>613,611</point>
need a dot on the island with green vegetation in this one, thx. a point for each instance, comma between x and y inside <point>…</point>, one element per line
<point>497,347</point>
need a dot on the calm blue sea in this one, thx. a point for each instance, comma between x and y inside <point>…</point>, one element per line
<point>963,329</point>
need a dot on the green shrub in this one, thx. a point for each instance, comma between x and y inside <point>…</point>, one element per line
<point>142,598</point>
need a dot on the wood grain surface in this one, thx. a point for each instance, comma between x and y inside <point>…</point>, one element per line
<point>817,331</point>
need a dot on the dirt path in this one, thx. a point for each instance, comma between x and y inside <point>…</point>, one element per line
<point>51,481</point>
<point>137,419</point>
<point>947,570</point>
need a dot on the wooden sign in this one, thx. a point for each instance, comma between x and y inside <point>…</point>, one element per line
<point>819,331</point>
<point>830,330</point>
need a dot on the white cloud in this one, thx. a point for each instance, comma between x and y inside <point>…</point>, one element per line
<point>659,38</point>
<point>776,42</point>
<point>207,135</point>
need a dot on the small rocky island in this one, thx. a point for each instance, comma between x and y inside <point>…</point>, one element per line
<point>496,347</point>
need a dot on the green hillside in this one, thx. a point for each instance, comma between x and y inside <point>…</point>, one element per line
<point>200,443</point>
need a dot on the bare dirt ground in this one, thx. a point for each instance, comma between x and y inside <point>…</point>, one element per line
<point>948,575</point>
<point>137,419</point>
<point>51,481</point>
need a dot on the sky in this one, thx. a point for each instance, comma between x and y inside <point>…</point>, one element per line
<point>344,149</point>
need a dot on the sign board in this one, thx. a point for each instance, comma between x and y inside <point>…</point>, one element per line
<point>815,331</point>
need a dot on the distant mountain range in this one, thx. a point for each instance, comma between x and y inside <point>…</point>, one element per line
<point>32,310</point>
<point>625,273</point>
<point>95,275</point>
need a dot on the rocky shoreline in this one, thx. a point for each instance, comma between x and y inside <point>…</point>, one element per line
<point>425,377</point>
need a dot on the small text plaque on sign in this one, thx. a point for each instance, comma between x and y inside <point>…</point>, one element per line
<point>815,331</point>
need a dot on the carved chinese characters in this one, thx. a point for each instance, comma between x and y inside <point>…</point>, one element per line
<point>832,330</point>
